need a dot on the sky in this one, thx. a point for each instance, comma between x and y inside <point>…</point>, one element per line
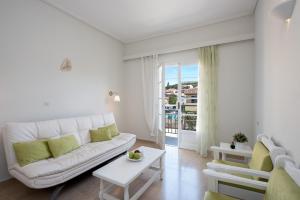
<point>188,73</point>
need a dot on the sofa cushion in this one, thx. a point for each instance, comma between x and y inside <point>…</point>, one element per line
<point>84,125</point>
<point>100,134</point>
<point>48,129</point>
<point>79,156</point>
<point>216,196</point>
<point>112,128</point>
<point>97,121</point>
<point>63,145</point>
<point>69,126</point>
<point>281,186</point>
<point>109,118</point>
<point>29,152</point>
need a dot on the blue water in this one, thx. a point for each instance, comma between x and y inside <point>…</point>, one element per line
<point>172,116</point>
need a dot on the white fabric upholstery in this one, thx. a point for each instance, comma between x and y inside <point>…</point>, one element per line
<point>54,171</point>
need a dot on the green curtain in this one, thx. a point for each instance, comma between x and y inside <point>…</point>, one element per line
<point>207,95</point>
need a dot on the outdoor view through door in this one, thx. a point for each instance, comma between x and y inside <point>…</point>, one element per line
<point>180,102</point>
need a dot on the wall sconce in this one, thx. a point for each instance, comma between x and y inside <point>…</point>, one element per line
<point>284,9</point>
<point>116,96</point>
<point>66,66</point>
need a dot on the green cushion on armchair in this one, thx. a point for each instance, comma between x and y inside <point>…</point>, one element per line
<point>281,186</point>
<point>261,159</point>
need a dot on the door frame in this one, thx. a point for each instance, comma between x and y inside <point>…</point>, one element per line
<point>180,141</point>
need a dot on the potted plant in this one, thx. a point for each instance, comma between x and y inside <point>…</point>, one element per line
<point>240,139</point>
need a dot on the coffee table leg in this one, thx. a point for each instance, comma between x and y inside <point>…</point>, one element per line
<point>126,193</point>
<point>101,189</point>
<point>161,167</point>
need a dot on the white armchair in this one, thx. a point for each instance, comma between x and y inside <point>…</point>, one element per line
<point>218,173</point>
<point>232,178</point>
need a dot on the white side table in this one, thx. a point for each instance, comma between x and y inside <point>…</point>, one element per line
<point>225,150</point>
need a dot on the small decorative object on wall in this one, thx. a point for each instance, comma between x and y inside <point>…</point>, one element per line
<point>240,139</point>
<point>66,66</point>
<point>284,9</point>
<point>116,96</point>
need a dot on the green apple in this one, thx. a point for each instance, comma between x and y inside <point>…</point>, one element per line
<point>137,156</point>
<point>131,155</point>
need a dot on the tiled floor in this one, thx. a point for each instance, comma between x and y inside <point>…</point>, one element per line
<point>183,179</point>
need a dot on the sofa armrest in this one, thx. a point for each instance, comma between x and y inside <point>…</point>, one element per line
<point>215,176</point>
<point>239,170</point>
<point>217,150</point>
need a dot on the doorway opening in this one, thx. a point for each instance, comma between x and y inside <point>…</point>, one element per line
<point>180,103</point>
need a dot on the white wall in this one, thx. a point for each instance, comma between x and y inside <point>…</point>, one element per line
<point>34,40</point>
<point>235,90</point>
<point>206,35</point>
<point>277,76</point>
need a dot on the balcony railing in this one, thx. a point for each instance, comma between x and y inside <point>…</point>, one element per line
<point>188,122</point>
<point>171,123</point>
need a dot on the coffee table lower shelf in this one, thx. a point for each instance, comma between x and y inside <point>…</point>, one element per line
<point>106,187</point>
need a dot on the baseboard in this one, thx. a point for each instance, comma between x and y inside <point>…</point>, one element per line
<point>2,179</point>
<point>145,139</point>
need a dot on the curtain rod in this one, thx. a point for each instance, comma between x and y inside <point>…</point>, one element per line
<point>192,46</point>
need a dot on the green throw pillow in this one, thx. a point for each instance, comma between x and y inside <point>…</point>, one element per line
<point>62,145</point>
<point>100,134</point>
<point>113,130</point>
<point>29,152</point>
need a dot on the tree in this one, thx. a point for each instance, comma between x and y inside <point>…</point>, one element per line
<point>172,99</point>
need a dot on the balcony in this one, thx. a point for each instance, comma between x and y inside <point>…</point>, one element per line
<point>188,123</point>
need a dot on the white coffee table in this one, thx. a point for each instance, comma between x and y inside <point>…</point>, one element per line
<point>122,172</point>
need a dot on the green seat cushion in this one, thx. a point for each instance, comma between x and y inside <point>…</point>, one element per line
<point>281,186</point>
<point>100,134</point>
<point>113,130</point>
<point>236,164</point>
<point>261,159</point>
<point>216,196</point>
<point>62,145</point>
<point>32,151</point>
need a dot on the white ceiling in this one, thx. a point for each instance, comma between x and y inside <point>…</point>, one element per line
<point>133,20</point>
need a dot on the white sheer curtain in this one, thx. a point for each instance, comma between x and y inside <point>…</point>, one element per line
<point>207,96</point>
<point>150,92</point>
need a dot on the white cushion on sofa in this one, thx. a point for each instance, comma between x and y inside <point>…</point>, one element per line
<point>48,129</point>
<point>109,118</point>
<point>69,126</point>
<point>84,127</point>
<point>97,121</point>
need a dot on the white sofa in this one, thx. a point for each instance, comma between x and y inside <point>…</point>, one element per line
<point>54,171</point>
